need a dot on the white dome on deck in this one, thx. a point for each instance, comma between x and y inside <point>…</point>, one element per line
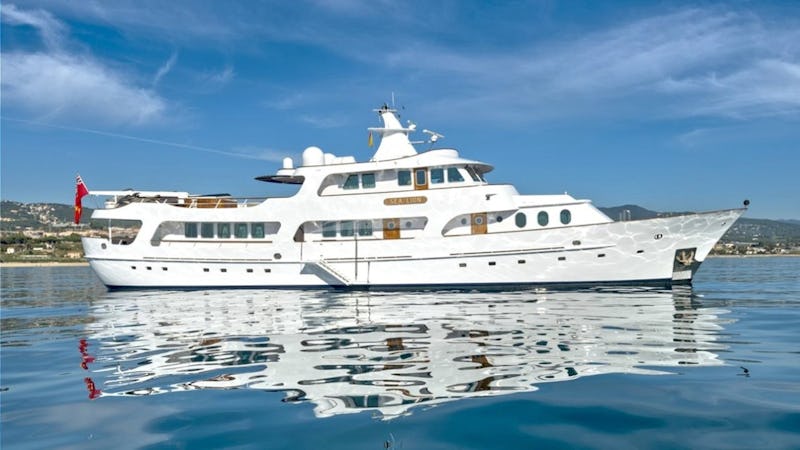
<point>313,156</point>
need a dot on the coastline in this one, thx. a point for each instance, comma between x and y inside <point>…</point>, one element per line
<point>44,264</point>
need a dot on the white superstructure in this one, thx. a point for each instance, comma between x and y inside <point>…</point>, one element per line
<point>401,219</point>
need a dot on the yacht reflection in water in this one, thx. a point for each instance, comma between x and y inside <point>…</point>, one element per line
<point>389,352</point>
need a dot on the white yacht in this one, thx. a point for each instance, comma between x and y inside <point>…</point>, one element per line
<point>403,219</point>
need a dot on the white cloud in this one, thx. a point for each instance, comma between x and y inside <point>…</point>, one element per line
<point>57,83</point>
<point>221,77</point>
<point>51,30</point>
<point>67,86</point>
<point>166,68</point>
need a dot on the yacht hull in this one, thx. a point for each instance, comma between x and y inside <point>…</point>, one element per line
<point>654,252</point>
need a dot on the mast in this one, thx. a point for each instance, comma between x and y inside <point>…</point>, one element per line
<point>394,138</point>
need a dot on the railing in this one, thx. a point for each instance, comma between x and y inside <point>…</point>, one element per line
<point>189,202</point>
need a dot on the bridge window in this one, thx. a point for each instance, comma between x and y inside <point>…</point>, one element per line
<point>403,177</point>
<point>190,230</point>
<point>472,174</point>
<point>240,231</point>
<point>368,180</point>
<point>453,175</point>
<point>437,176</point>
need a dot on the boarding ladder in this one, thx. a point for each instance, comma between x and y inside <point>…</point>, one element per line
<point>326,267</point>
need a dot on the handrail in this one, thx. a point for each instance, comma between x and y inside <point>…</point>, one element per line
<point>190,202</point>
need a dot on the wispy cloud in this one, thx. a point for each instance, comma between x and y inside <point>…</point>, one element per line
<point>220,77</point>
<point>51,30</point>
<point>165,68</point>
<point>56,83</point>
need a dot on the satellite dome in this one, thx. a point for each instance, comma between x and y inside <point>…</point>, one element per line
<point>313,156</point>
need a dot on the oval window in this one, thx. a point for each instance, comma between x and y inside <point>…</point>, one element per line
<point>566,216</point>
<point>521,220</point>
<point>543,218</point>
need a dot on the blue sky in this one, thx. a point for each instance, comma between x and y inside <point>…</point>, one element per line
<point>674,106</point>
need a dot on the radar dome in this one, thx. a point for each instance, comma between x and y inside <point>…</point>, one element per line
<point>313,156</point>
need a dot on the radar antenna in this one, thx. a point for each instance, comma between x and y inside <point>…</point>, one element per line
<point>434,136</point>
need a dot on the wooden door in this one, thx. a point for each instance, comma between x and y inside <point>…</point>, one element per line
<point>479,223</point>
<point>391,228</point>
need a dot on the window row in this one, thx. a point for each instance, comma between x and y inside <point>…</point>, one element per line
<point>543,218</point>
<point>367,181</point>
<point>438,175</point>
<point>223,230</point>
<point>347,228</point>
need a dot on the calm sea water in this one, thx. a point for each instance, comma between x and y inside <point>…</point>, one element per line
<point>715,366</point>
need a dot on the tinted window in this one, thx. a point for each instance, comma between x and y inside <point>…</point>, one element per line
<point>190,230</point>
<point>521,220</point>
<point>240,231</point>
<point>368,180</point>
<point>207,230</point>
<point>543,218</point>
<point>566,216</point>
<point>420,174</point>
<point>454,175</point>
<point>352,182</point>
<point>472,174</point>
<point>346,228</point>
<point>258,230</point>
<point>437,176</point>
<point>224,230</point>
<point>403,177</point>
<point>365,228</point>
<point>329,229</point>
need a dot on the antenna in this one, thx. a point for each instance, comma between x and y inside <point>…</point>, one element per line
<point>393,100</point>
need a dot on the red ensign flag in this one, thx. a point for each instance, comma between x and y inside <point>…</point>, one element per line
<point>80,192</point>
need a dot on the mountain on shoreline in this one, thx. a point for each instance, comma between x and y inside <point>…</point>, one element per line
<point>16,217</point>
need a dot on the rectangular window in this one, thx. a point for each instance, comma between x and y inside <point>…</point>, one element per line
<point>328,229</point>
<point>368,180</point>
<point>404,178</point>
<point>365,228</point>
<point>352,182</point>
<point>257,229</point>
<point>190,230</point>
<point>453,175</point>
<point>420,174</point>
<point>240,231</point>
<point>224,230</point>
<point>437,176</point>
<point>346,228</point>
<point>207,230</point>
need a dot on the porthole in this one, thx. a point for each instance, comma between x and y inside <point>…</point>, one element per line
<point>103,246</point>
<point>492,263</point>
<point>249,270</point>
<point>223,270</point>
<point>478,220</point>
<point>267,270</point>
<point>543,218</point>
<point>149,268</point>
<point>576,242</point>
<point>462,264</point>
<point>390,225</point>
<point>164,269</point>
<point>464,221</point>
<point>408,224</point>
<point>277,256</point>
<point>205,269</point>
<point>133,267</point>
<point>520,261</point>
<point>521,220</point>
<point>566,216</point>
<point>499,219</point>
<point>562,258</point>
